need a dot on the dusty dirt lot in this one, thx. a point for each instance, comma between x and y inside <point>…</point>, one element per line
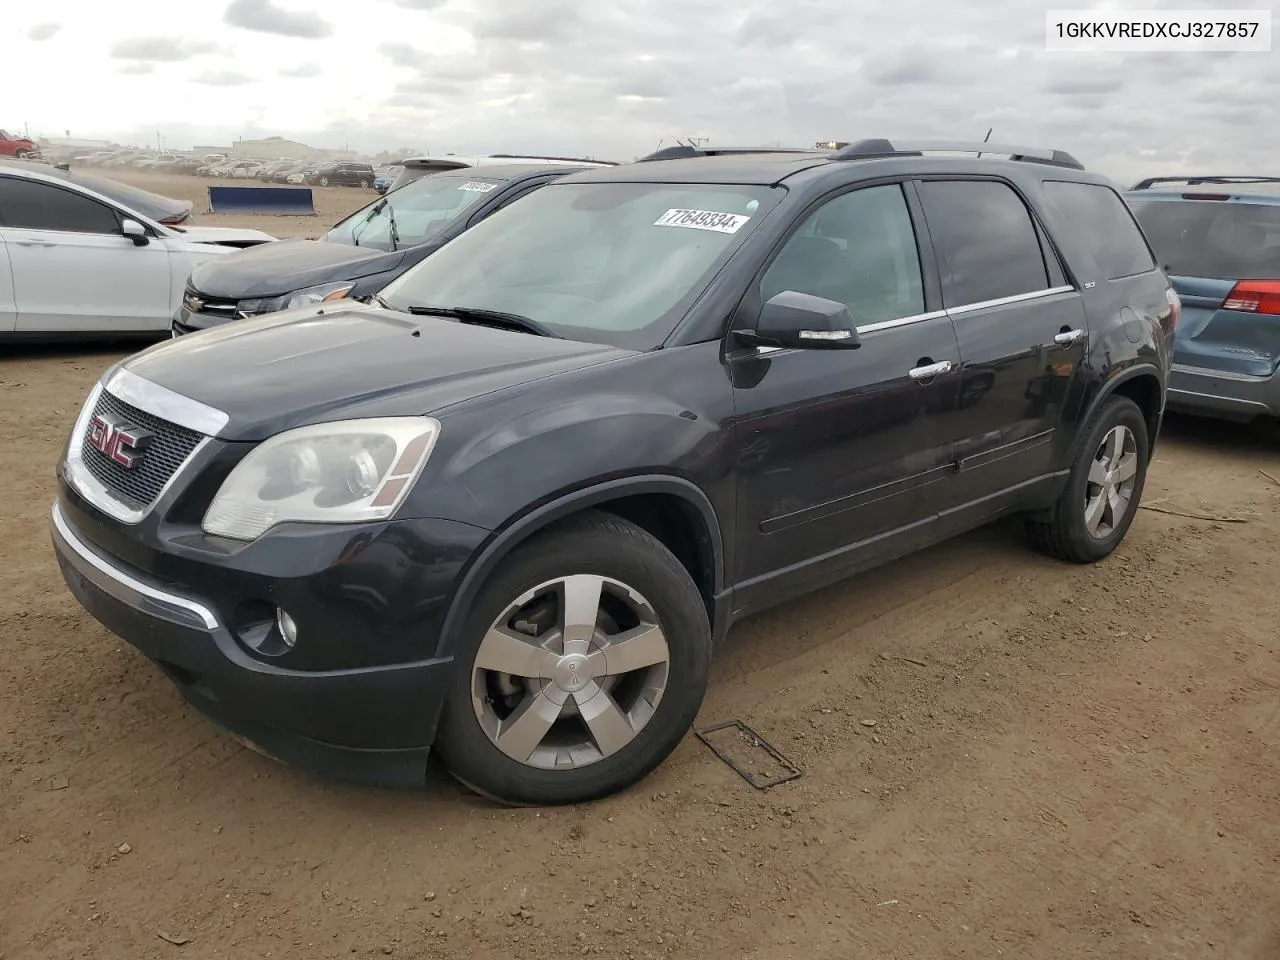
<point>1065,762</point>
<point>331,203</point>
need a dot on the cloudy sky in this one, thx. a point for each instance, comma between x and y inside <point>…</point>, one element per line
<point>613,78</point>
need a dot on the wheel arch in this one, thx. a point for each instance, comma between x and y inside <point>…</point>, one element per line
<point>674,510</point>
<point>1144,386</point>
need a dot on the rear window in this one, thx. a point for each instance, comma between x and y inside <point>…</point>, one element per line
<point>1214,239</point>
<point>1097,212</point>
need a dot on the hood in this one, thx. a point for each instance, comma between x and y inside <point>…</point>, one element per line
<point>223,235</point>
<point>324,363</point>
<point>274,269</point>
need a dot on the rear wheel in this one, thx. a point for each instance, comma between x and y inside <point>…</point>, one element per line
<point>324,181</point>
<point>582,665</point>
<point>364,184</point>
<point>1103,489</point>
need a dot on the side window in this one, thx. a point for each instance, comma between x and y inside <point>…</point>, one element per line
<point>30,205</point>
<point>858,249</point>
<point>986,242</point>
<point>1097,212</point>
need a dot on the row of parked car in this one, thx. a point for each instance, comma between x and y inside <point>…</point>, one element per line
<point>490,469</point>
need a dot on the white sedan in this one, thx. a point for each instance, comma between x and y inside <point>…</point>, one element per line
<point>73,261</point>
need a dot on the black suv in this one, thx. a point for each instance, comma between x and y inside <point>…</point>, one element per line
<point>509,510</point>
<point>342,175</point>
<point>361,254</point>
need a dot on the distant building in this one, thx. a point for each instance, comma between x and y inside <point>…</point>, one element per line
<point>269,148</point>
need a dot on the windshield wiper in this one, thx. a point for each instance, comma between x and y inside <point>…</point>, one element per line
<point>488,318</point>
<point>393,229</point>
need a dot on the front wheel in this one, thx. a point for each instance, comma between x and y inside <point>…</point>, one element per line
<point>324,181</point>
<point>364,184</point>
<point>1103,489</point>
<point>23,154</point>
<point>581,667</point>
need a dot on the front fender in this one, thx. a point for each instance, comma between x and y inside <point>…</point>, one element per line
<point>537,518</point>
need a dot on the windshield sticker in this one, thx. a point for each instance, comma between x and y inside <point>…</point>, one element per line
<point>477,186</point>
<point>702,220</point>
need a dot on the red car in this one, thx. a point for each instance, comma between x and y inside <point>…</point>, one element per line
<point>19,147</point>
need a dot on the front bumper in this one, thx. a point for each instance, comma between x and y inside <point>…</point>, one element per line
<point>1229,395</point>
<point>373,724</point>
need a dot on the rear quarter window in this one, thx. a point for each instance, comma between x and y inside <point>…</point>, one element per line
<point>1097,214</point>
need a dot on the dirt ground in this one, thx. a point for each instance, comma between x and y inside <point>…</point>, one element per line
<point>331,203</point>
<point>1065,762</point>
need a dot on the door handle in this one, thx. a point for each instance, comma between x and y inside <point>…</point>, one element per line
<point>33,242</point>
<point>1068,337</point>
<point>929,370</point>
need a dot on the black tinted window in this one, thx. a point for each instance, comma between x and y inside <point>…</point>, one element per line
<point>858,249</point>
<point>1214,239</point>
<point>1098,213</point>
<point>986,242</point>
<point>29,205</point>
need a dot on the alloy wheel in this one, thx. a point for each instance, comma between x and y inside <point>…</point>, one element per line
<point>1112,478</point>
<point>570,673</point>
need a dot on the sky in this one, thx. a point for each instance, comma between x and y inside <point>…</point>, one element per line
<point>615,78</point>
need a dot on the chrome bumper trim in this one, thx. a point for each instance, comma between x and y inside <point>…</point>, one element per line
<point>125,587</point>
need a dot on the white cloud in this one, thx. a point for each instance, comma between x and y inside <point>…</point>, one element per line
<point>613,78</point>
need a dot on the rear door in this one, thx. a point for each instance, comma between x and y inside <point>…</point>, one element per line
<point>1208,246</point>
<point>1021,330</point>
<point>73,269</point>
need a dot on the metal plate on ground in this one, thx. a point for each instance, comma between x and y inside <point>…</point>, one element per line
<point>748,753</point>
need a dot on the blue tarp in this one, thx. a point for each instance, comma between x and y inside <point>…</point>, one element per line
<point>286,201</point>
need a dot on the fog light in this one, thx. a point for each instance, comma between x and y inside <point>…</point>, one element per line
<point>288,629</point>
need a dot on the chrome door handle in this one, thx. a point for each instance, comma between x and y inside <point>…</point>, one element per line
<point>931,370</point>
<point>1068,337</point>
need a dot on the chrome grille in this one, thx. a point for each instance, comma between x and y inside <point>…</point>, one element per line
<point>211,305</point>
<point>170,447</point>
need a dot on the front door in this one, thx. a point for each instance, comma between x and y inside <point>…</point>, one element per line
<point>73,269</point>
<point>1021,329</point>
<point>839,464</point>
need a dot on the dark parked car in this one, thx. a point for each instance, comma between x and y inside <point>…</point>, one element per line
<point>342,175</point>
<point>359,255</point>
<point>1219,239</point>
<point>510,510</point>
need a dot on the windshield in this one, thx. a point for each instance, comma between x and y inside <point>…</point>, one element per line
<point>1213,239</point>
<point>615,263</point>
<point>412,215</point>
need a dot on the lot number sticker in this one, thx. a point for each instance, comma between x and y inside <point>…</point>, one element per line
<point>702,220</point>
<point>476,186</point>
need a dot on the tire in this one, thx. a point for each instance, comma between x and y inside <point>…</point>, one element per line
<point>324,181</point>
<point>581,551</point>
<point>364,184</point>
<point>1068,535</point>
<point>22,154</point>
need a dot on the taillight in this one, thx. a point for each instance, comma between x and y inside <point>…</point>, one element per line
<point>1254,296</point>
<point>1175,307</point>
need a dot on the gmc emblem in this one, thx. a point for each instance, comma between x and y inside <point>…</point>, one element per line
<point>118,440</point>
<point>194,304</point>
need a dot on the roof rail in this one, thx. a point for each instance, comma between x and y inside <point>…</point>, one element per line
<point>535,156</point>
<point>1148,183</point>
<point>682,150</point>
<point>877,148</point>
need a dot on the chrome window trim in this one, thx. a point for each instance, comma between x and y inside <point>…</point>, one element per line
<point>165,403</point>
<point>121,585</point>
<point>1016,298</point>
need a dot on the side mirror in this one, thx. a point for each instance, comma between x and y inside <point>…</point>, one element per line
<point>799,321</point>
<point>135,232</point>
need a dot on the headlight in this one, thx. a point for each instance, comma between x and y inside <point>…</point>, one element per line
<point>299,298</point>
<point>344,472</point>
